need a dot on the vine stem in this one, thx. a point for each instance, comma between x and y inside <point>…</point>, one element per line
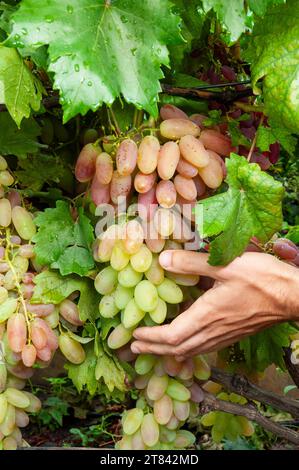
<point>254,141</point>
<point>211,403</point>
<point>21,298</point>
<point>249,108</point>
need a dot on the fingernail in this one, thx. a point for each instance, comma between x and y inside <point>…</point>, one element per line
<point>134,348</point>
<point>165,259</point>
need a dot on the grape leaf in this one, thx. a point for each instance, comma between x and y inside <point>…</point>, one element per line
<point>20,90</point>
<point>36,170</point>
<point>274,55</point>
<point>266,348</point>
<point>259,7</point>
<point>293,234</point>
<point>19,142</point>
<point>117,49</point>
<point>109,369</point>
<point>83,375</point>
<point>237,137</point>
<point>52,288</point>
<point>63,243</point>
<point>230,13</point>
<point>250,207</point>
<point>269,135</point>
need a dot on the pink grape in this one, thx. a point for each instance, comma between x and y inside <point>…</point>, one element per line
<point>181,409</point>
<point>168,160</point>
<point>120,186</point>
<point>156,387</point>
<point>100,193</point>
<point>200,186</point>
<point>16,332</point>
<point>169,111</point>
<point>285,249</point>
<point>193,151</point>
<point>174,129</point>
<point>212,174</point>
<point>199,119</point>
<point>185,187</point>
<point>228,73</point>
<point>38,336</point>
<point>70,312</point>
<point>147,204</point>
<point>86,163</point>
<point>185,169</point>
<point>44,354</point>
<point>126,157</point>
<point>148,153</point>
<point>214,140</point>
<point>163,409</point>
<point>41,310</point>
<point>143,183</point>
<point>149,430</point>
<point>166,194</point>
<point>28,355</point>
<point>104,168</point>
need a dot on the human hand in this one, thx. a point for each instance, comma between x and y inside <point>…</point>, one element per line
<point>253,292</point>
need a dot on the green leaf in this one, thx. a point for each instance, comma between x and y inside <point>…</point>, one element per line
<point>19,142</point>
<point>266,348</point>
<point>109,369</point>
<point>230,13</point>
<point>237,137</point>
<point>269,135</point>
<point>83,375</point>
<point>293,234</point>
<point>250,207</point>
<point>63,243</point>
<point>274,54</point>
<point>113,48</point>
<point>20,90</point>
<point>259,7</point>
<point>51,288</point>
<point>36,170</point>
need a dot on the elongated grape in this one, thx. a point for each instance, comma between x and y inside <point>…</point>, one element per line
<point>5,212</point>
<point>28,355</point>
<point>212,174</point>
<point>155,273</point>
<point>198,119</point>
<point>124,444</point>
<point>126,157</point>
<point>156,244</point>
<point>200,186</point>
<point>184,439</point>
<point>185,187</point>
<point>164,221</point>
<point>178,391</point>
<point>169,111</point>
<point>147,204</point>
<point>6,179</point>
<point>3,406</point>
<point>128,277</point>
<point>176,128</point>
<point>141,381</point>
<point>285,249</point>
<point>104,168</point>
<point>34,403</point>
<point>23,222</point>
<point>41,310</point>
<point>186,169</point>
<point>120,186</point>
<point>141,260</point>
<point>143,183</point>
<point>107,307</point>
<point>181,409</point>
<point>137,441</point>
<point>107,242</point>
<point>71,349</point>
<point>16,332</point>
<point>106,280</point>
<point>156,387</point>
<point>16,398</point>
<point>16,382</point>
<point>52,340</point>
<point>193,151</point>
<point>171,366</point>
<point>197,394</point>
<point>149,430</point>
<point>133,237</point>
<point>214,140</point>
<point>22,419</point>
<point>186,372</point>
<point>132,420</point>
<point>202,369</point>
<point>159,314</point>
<point>3,163</point>
<point>168,160</point>
<point>170,292</point>
<point>38,336</point>
<point>8,423</point>
<point>183,279</point>
<point>100,193</point>
<point>70,312</point>
<point>119,337</point>
<point>144,363</point>
<point>89,136</point>
<point>163,409</point>
<point>3,377</point>
<point>119,257</point>
<point>44,354</point>
<point>9,443</point>
<point>166,435</point>
<point>122,296</point>
<point>146,296</point>
<point>166,194</point>
<point>86,163</point>
<point>133,314</point>
<point>148,154</point>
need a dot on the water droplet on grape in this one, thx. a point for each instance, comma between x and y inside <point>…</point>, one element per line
<point>69,9</point>
<point>77,67</point>
<point>49,19</point>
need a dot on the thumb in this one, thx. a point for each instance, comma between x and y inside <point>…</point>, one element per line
<point>189,262</point>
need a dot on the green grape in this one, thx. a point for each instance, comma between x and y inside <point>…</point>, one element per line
<point>3,377</point>
<point>170,292</point>
<point>71,349</point>
<point>119,337</point>
<point>141,381</point>
<point>3,406</point>
<point>178,391</point>
<point>155,273</point>
<point>144,363</point>
<point>8,423</point>
<point>9,443</point>
<point>163,409</point>
<point>3,295</point>
<point>52,319</point>
<point>181,409</point>
<point>156,387</point>
<point>23,222</point>
<point>3,163</point>
<point>90,136</point>
<point>142,260</point>
<point>106,281</point>
<point>132,420</point>
<point>146,296</point>
<point>122,296</point>
<point>184,439</point>
<point>158,315</point>
<point>107,307</point>
<point>128,277</point>
<point>173,423</point>
<point>150,430</point>
<point>125,443</point>
<point>132,314</point>
<point>119,258</point>
<point>166,435</point>
<point>16,398</point>
<point>34,403</point>
<point>202,369</point>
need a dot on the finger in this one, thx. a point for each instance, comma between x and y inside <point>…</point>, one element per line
<point>141,347</point>
<point>189,262</point>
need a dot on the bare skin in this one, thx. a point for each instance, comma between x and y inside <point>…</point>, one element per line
<point>255,291</point>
